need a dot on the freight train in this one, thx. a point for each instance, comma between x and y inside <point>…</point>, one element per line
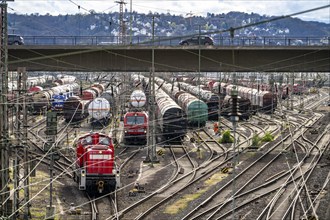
<point>171,118</point>
<point>96,170</point>
<point>75,108</point>
<point>211,99</point>
<point>264,101</point>
<point>195,109</point>
<point>42,100</point>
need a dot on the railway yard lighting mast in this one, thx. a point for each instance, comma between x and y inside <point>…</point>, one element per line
<point>5,208</point>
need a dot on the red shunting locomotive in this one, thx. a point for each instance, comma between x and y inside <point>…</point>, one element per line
<point>96,169</point>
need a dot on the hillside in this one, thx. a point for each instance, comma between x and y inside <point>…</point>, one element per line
<point>165,25</point>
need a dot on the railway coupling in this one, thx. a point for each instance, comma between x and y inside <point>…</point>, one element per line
<point>100,186</point>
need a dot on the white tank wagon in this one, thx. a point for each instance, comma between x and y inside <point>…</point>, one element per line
<point>65,79</point>
<point>136,79</point>
<point>138,99</point>
<point>73,87</point>
<point>100,110</point>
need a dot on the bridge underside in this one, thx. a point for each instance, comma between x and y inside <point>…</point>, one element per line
<point>169,59</point>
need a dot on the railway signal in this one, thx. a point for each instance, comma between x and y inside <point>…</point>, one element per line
<point>51,124</point>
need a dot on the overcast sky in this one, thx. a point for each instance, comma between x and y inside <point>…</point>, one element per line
<point>179,7</point>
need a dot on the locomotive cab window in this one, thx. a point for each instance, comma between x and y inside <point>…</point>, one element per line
<point>104,141</point>
<point>86,141</point>
<point>135,120</point>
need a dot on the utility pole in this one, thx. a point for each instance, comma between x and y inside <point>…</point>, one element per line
<point>234,116</point>
<point>130,23</point>
<point>51,132</point>
<point>5,202</point>
<point>271,81</point>
<point>110,29</point>
<point>220,100</point>
<point>21,149</point>
<point>291,96</point>
<point>121,21</point>
<point>151,152</point>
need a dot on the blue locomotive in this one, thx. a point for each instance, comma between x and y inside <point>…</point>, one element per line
<point>59,99</point>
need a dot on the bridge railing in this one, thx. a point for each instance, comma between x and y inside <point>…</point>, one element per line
<point>263,41</point>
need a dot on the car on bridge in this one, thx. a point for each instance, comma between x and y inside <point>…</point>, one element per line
<point>14,39</point>
<point>202,40</point>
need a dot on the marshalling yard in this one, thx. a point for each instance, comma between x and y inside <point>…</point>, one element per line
<point>172,146</point>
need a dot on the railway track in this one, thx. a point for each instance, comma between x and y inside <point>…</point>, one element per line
<point>220,194</point>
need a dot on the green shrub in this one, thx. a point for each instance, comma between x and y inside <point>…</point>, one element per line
<point>255,140</point>
<point>226,137</point>
<point>268,137</point>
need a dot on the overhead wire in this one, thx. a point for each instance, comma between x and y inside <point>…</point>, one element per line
<point>46,154</point>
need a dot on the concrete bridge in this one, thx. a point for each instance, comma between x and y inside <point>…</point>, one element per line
<point>139,58</point>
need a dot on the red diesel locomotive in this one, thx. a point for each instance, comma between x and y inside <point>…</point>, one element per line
<point>96,169</point>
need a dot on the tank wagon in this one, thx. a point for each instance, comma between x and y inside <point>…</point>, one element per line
<point>211,99</point>
<point>244,106</point>
<point>64,79</point>
<point>260,100</point>
<point>135,127</point>
<point>110,95</point>
<point>39,81</point>
<point>138,99</point>
<point>195,109</point>
<point>32,81</point>
<point>75,109</point>
<point>102,108</point>
<point>35,89</point>
<point>96,170</point>
<point>170,117</point>
<point>137,80</point>
<point>94,91</point>
<point>42,100</point>
<point>100,111</point>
